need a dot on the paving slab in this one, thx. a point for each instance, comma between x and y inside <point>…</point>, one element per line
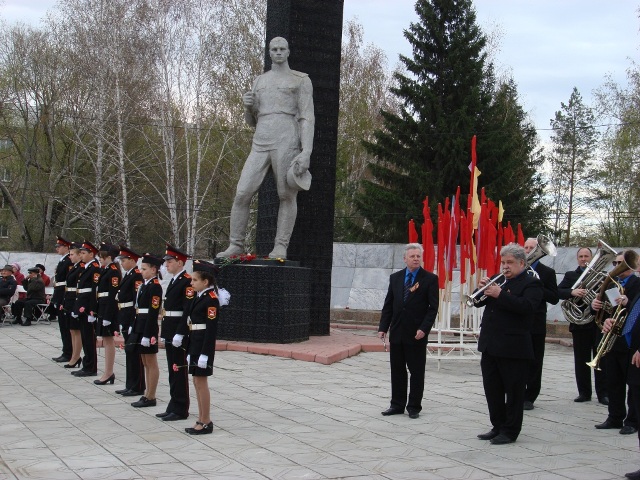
<point>280,418</point>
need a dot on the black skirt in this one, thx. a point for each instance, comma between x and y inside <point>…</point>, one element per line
<point>195,347</point>
<point>108,331</point>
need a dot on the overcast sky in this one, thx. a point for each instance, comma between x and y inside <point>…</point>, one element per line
<point>549,46</point>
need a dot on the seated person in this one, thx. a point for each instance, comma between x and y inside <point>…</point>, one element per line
<point>34,285</point>
<point>7,287</point>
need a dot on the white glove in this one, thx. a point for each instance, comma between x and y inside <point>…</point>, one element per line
<point>145,342</point>
<point>120,328</point>
<point>223,297</point>
<point>91,318</point>
<point>188,359</point>
<point>74,315</point>
<point>202,361</point>
<point>106,323</point>
<point>177,340</point>
<point>129,331</point>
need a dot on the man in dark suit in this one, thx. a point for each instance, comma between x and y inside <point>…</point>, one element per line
<point>408,313</point>
<point>547,276</point>
<point>585,337</point>
<point>617,361</point>
<point>505,343</point>
<point>631,335</point>
<point>59,286</point>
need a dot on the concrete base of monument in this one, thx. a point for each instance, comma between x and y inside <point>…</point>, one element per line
<point>270,302</point>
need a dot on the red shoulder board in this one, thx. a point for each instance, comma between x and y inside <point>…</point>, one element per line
<point>186,275</point>
<point>212,294</point>
<point>114,266</point>
<point>81,264</point>
<point>137,284</point>
<point>136,270</point>
<point>189,293</point>
<point>96,277</point>
<point>212,313</point>
<point>95,264</point>
<point>155,301</point>
<point>156,281</point>
<point>114,281</point>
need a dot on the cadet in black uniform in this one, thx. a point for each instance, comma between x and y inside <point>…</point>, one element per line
<point>57,299</point>
<point>203,323</point>
<point>176,333</point>
<point>105,308</point>
<point>67,305</point>
<point>144,331</point>
<point>131,281</point>
<point>87,284</point>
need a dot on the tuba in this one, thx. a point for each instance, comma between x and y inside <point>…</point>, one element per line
<point>577,310</point>
<point>619,315</point>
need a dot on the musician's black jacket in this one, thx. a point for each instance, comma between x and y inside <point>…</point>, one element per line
<point>550,287</point>
<point>633,374</point>
<point>564,290</point>
<point>505,330</point>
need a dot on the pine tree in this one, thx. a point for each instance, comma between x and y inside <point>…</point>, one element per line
<point>445,98</point>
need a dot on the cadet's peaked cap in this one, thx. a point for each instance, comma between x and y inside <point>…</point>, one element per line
<point>204,266</point>
<point>77,245</point>
<point>110,250</point>
<point>89,247</point>
<point>152,260</point>
<point>62,241</point>
<point>173,252</point>
<point>128,253</point>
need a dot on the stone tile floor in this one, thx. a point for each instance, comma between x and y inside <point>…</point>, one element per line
<point>278,418</point>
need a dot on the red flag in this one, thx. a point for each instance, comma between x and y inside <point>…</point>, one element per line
<point>520,236</point>
<point>464,246</point>
<point>442,275</point>
<point>453,236</point>
<point>429,256</point>
<point>511,237</point>
<point>499,244</point>
<point>413,233</point>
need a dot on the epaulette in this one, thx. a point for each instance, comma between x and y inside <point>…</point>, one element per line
<point>136,270</point>
<point>186,275</point>
<point>95,263</point>
<point>212,294</point>
<point>81,264</point>
<point>114,266</point>
<point>156,281</point>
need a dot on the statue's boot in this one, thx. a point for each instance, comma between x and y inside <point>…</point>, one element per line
<point>231,251</point>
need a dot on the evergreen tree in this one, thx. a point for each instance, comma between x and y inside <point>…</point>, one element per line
<point>445,98</point>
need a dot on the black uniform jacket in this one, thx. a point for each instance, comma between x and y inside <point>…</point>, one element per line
<point>60,279</point>
<point>72,285</point>
<point>631,290</point>
<point>403,319</point>
<point>176,299</point>
<point>127,294</point>
<point>548,278</point>
<point>633,374</point>
<point>87,284</point>
<point>505,330</point>
<point>204,309</point>
<point>105,305</point>
<point>148,304</point>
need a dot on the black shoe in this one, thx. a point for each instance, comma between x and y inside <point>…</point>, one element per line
<point>144,402</point>
<point>628,430</point>
<point>501,439</point>
<point>131,393</point>
<point>413,414</point>
<point>604,400</point>
<point>84,373</point>
<point>61,358</point>
<point>75,365</point>
<point>528,405</point>
<point>163,414</point>
<point>392,411</point>
<point>489,435</point>
<point>582,398</point>
<point>121,392</point>
<point>26,323</point>
<point>608,424</point>
<point>172,417</point>
<point>633,475</point>
<point>208,428</point>
<point>109,380</point>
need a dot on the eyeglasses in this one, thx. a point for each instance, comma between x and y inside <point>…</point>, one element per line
<point>615,263</point>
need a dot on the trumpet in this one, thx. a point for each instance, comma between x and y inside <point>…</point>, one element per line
<point>479,296</point>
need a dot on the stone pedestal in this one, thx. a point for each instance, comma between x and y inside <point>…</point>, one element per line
<point>270,302</point>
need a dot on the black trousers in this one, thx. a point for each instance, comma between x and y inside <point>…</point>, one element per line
<point>534,380</point>
<point>88,334</point>
<point>178,381</point>
<point>504,383</point>
<point>414,358</point>
<point>134,368</point>
<point>616,365</point>
<point>585,345</point>
<point>635,402</point>
<point>65,334</point>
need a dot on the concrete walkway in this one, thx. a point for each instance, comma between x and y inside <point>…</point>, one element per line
<point>278,418</point>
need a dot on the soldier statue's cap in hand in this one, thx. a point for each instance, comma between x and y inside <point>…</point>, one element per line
<point>280,107</point>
